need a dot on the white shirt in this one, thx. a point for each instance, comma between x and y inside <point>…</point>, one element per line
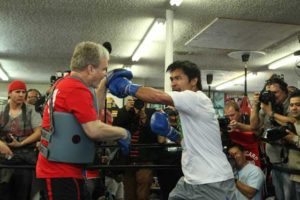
<point>203,160</point>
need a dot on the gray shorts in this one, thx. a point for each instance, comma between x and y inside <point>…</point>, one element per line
<point>224,190</point>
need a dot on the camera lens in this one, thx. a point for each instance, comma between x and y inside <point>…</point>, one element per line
<point>138,104</point>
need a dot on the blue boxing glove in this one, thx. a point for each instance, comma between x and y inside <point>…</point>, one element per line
<point>124,144</point>
<point>118,73</point>
<point>122,87</point>
<point>160,125</point>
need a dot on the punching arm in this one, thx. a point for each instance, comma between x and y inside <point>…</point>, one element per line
<point>160,125</point>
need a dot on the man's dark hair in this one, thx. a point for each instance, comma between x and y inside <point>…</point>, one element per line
<point>190,69</point>
<point>296,93</point>
<point>276,80</point>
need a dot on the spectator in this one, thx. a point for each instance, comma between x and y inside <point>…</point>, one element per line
<point>249,178</point>
<point>293,138</point>
<point>59,170</point>
<point>20,130</point>
<point>32,96</point>
<point>201,141</point>
<point>241,133</point>
<point>267,113</point>
<point>134,116</point>
<point>167,179</point>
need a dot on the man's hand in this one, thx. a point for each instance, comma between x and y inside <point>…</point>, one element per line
<point>125,143</point>
<point>4,149</point>
<point>15,143</point>
<point>233,125</point>
<point>160,125</point>
<point>118,73</point>
<point>119,84</point>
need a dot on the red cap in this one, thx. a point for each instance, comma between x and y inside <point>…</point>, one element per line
<point>16,85</point>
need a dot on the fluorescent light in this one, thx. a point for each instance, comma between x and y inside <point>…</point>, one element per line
<point>175,2</point>
<point>3,74</point>
<point>156,29</point>
<point>238,80</point>
<point>127,67</point>
<point>290,59</point>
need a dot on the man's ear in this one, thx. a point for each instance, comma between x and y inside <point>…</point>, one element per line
<point>90,68</point>
<point>194,81</point>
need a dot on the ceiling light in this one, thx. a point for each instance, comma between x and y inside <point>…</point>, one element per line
<point>238,80</point>
<point>3,74</point>
<point>127,67</point>
<point>175,2</point>
<point>287,60</point>
<point>156,28</point>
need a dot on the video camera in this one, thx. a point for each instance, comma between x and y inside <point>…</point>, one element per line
<point>266,97</point>
<point>278,132</point>
<point>223,123</point>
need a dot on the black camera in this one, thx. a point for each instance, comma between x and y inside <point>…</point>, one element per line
<point>223,123</point>
<point>58,75</point>
<point>266,97</point>
<point>278,132</point>
<point>39,105</point>
<point>170,111</point>
<point>138,104</point>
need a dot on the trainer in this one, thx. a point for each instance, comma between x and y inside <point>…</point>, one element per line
<point>70,124</point>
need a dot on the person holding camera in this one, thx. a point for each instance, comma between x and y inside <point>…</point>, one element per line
<point>135,116</point>
<point>241,133</point>
<point>207,172</point>
<point>293,138</point>
<point>20,130</point>
<point>169,156</point>
<point>71,125</point>
<point>270,110</point>
<point>249,178</point>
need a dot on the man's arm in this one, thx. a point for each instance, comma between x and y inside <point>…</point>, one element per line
<point>152,95</point>
<point>281,119</point>
<point>101,93</point>
<point>246,190</point>
<point>254,117</point>
<point>99,131</point>
<point>35,136</point>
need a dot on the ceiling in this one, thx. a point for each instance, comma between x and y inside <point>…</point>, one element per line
<point>37,37</point>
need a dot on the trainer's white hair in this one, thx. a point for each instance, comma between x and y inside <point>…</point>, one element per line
<point>87,53</point>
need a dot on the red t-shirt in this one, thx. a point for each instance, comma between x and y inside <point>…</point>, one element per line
<point>71,96</point>
<point>250,143</point>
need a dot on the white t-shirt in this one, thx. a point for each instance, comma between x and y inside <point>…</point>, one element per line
<point>252,176</point>
<point>203,160</point>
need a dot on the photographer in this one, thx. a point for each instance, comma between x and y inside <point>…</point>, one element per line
<point>241,133</point>
<point>270,110</point>
<point>20,129</point>
<point>249,178</point>
<point>169,156</point>
<point>293,138</point>
<point>135,117</point>
<point>34,97</point>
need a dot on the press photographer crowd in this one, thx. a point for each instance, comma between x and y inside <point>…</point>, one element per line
<point>50,144</point>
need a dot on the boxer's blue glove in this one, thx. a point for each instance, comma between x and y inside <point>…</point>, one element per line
<point>125,143</point>
<point>122,87</point>
<point>118,73</point>
<point>160,125</point>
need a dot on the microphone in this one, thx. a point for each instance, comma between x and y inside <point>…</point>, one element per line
<point>107,46</point>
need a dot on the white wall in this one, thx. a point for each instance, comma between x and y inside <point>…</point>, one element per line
<point>41,87</point>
